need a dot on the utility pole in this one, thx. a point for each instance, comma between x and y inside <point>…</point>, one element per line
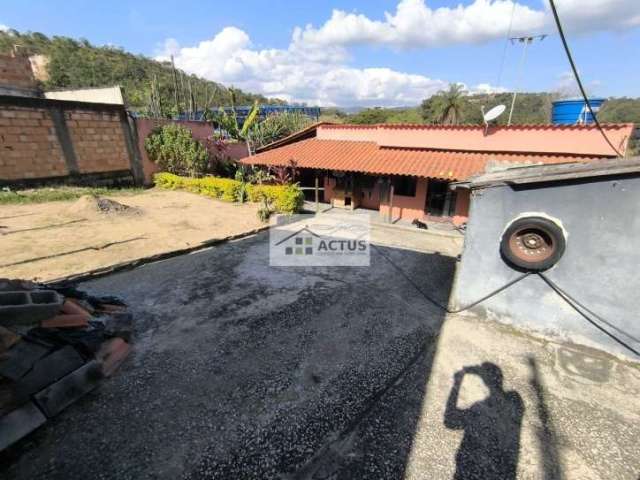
<point>526,40</point>
<point>175,86</point>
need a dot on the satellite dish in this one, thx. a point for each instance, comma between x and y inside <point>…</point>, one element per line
<point>494,113</point>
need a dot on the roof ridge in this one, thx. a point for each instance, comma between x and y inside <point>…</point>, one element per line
<point>522,126</point>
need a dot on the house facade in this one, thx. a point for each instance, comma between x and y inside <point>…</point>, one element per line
<point>404,171</point>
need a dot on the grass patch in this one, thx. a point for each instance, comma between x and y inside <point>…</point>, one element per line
<point>57,194</point>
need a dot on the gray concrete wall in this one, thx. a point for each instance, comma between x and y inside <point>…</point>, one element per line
<point>599,267</point>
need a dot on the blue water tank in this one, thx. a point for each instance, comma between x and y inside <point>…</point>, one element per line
<point>570,112</point>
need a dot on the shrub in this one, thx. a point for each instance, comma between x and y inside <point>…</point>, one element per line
<point>290,199</point>
<point>282,198</point>
<point>256,193</point>
<point>173,148</point>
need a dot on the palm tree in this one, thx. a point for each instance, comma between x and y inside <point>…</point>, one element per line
<point>449,105</point>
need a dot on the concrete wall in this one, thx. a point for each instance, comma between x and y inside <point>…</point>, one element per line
<point>50,141</point>
<point>599,267</point>
<point>111,95</point>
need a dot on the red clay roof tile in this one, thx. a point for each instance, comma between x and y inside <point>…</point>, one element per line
<point>368,157</point>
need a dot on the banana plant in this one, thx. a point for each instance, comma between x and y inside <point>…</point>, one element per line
<point>250,120</point>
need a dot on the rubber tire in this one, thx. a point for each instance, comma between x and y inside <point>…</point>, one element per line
<point>550,227</point>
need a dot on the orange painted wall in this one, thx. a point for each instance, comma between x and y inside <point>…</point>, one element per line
<point>463,198</point>
<point>328,185</point>
<point>405,208</point>
<point>584,140</point>
<point>408,208</point>
<point>370,197</point>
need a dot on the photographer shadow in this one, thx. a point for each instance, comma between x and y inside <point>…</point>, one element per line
<point>491,443</point>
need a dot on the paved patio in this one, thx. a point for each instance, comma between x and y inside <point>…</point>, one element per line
<point>241,370</point>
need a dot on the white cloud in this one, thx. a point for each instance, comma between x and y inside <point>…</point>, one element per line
<point>300,73</point>
<point>415,25</point>
<point>315,68</point>
<point>583,16</point>
<point>3,28</point>
<point>486,88</point>
<point>567,87</point>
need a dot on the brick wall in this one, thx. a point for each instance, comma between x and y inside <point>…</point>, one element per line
<point>29,147</point>
<point>53,141</point>
<point>16,72</point>
<point>98,141</point>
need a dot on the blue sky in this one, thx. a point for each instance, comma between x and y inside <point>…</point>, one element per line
<point>365,53</point>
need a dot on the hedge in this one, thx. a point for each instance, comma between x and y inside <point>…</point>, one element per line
<point>284,198</point>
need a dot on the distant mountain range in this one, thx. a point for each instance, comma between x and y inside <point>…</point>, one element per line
<point>530,108</point>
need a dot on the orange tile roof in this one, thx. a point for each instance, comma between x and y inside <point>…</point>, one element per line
<point>368,157</point>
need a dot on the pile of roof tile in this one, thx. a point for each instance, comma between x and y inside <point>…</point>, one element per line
<point>56,345</point>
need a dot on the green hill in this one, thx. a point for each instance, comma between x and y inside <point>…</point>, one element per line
<point>530,108</point>
<point>78,63</point>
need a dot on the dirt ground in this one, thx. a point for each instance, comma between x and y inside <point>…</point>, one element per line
<point>42,241</point>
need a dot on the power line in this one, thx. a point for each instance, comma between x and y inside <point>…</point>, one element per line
<point>575,74</point>
<point>435,302</point>
<point>577,306</point>
<point>506,44</point>
<point>526,40</point>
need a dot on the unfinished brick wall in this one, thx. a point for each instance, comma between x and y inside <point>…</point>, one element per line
<point>15,71</point>
<point>47,141</point>
<point>29,147</point>
<point>98,141</point>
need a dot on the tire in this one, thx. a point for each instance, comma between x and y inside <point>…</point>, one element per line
<point>532,244</point>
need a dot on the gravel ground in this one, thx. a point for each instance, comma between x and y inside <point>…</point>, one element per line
<point>241,370</point>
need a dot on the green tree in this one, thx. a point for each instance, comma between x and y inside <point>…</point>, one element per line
<point>405,115</point>
<point>446,107</point>
<point>620,110</point>
<point>370,116</point>
<point>277,126</point>
<point>173,148</point>
<point>78,64</point>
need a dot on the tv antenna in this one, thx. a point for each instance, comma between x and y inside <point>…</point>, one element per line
<point>527,40</point>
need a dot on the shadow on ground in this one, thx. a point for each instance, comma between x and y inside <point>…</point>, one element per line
<point>491,442</point>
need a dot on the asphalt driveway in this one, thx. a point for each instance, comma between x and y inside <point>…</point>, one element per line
<point>242,370</point>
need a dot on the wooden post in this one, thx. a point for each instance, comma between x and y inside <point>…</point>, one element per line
<point>390,200</point>
<point>317,196</point>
